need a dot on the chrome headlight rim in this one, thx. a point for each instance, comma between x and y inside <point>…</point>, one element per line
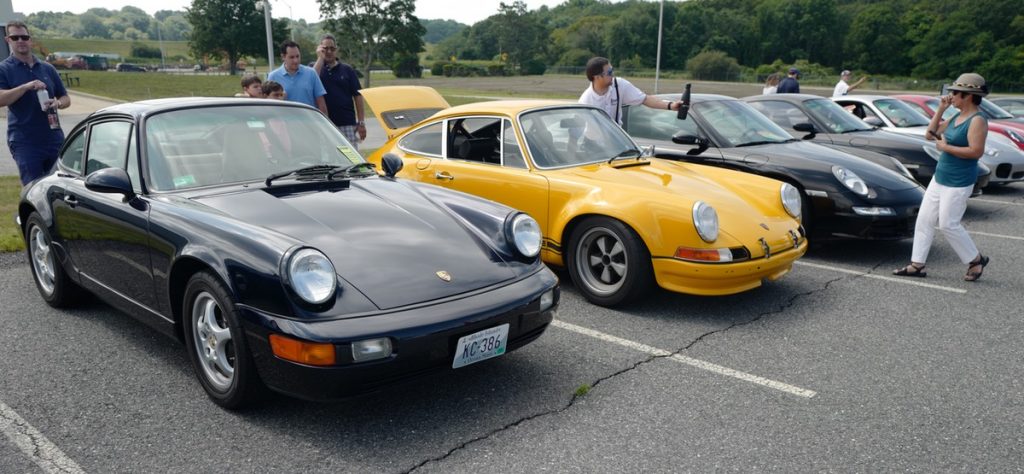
<point>705,221</point>
<point>523,232</point>
<point>311,276</point>
<point>792,202</point>
<point>851,180</point>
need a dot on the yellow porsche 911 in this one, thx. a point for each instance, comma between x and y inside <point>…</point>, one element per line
<point>615,218</point>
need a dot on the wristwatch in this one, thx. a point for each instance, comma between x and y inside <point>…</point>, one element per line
<point>361,123</point>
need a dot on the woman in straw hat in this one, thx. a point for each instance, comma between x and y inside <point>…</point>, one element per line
<point>961,139</point>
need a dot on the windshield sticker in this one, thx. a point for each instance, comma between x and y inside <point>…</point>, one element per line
<point>350,153</point>
<point>182,181</point>
<point>256,124</point>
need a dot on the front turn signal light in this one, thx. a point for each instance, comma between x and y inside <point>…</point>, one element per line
<point>309,353</point>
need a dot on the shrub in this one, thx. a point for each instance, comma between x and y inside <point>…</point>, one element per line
<point>713,65</point>
<point>407,66</point>
<point>532,67</point>
<point>141,50</point>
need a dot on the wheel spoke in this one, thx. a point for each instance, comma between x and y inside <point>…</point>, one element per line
<point>595,260</point>
<point>619,268</point>
<point>606,275</point>
<point>601,242</point>
<point>616,250</point>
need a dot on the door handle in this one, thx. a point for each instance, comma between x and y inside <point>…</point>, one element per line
<point>443,175</point>
<point>70,200</point>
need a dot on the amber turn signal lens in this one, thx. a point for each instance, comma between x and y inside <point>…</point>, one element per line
<point>703,255</point>
<point>309,353</point>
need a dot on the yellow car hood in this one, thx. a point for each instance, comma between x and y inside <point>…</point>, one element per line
<point>400,107</point>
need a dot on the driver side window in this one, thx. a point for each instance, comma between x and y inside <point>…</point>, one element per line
<point>108,146</point>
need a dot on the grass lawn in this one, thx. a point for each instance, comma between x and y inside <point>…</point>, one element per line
<point>10,235</point>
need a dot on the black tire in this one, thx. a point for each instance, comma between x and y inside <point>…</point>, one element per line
<point>216,344</point>
<point>51,280</point>
<point>608,262</point>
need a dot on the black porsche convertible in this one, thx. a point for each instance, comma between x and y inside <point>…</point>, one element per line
<point>253,232</point>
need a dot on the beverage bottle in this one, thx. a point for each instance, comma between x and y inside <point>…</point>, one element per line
<point>51,111</point>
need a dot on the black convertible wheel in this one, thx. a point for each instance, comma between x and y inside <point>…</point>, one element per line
<point>53,283</point>
<point>608,262</point>
<point>216,343</point>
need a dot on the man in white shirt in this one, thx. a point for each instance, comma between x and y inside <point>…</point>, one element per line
<point>610,93</point>
<point>843,87</point>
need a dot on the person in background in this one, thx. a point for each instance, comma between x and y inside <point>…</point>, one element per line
<point>273,90</point>
<point>33,132</point>
<point>301,82</point>
<point>790,84</point>
<point>252,86</point>
<point>771,84</point>
<point>961,139</point>
<point>344,102</point>
<point>610,93</point>
<point>844,87</point>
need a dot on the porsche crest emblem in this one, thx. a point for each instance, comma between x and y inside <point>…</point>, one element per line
<point>443,275</point>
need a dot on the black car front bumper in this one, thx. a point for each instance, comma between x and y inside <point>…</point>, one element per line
<point>423,338</point>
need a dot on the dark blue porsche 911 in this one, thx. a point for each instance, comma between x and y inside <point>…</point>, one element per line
<point>253,232</point>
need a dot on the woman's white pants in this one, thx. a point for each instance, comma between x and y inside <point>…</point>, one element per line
<point>944,207</point>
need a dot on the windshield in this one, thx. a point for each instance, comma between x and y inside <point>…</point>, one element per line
<point>835,117</point>
<point>572,136</point>
<point>934,105</point>
<point>900,114</point>
<point>739,124</point>
<point>994,111</point>
<point>207,146</point>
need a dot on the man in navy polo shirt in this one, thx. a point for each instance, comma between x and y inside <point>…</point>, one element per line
<point>33,143</point>
<point>300,82</point>
<point>344,102</point>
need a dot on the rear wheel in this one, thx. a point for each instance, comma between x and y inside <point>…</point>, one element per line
<point>608,262</point>
<point>216,344</point>
<point>52,281</point>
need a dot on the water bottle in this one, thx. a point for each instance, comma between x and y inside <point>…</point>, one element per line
<point>51,111</point>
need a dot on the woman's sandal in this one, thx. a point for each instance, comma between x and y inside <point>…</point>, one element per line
<point>980,262</point>
<point>911,270</point>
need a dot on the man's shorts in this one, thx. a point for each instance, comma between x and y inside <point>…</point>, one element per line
<point>351,133</point>
<point>34,161</point>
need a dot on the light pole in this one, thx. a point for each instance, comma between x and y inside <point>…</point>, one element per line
<point>265,6</point>
<point>291,18</point>
<point>657,62</point>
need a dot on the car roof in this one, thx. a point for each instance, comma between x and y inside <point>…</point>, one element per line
<point>864,97</point>
<point>786,97</point>
<point>507,107</point>
<point>696,97</point>
<point>152,106</point>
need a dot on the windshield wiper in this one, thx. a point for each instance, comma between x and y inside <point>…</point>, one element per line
<point>315,169</point>
<point>765,142</point>
<point>351,168</point>
<point>627,153</point>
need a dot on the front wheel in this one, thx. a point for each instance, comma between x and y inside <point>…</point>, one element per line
<point>216,344</point>
<point>608,262</point>
<point>52,281</point>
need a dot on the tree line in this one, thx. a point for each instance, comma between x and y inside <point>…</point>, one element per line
<point>937,39</point>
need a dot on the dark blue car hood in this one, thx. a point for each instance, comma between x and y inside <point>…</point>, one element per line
<point>383,237</point>
<point>873,174</point>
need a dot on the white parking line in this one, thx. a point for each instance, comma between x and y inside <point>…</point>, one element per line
<point>904,281</point>
<point>996,202</point>
<point>1001,236</point>
<point>714,368</point>
<point>30,441</point>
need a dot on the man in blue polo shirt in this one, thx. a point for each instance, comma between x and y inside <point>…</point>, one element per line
<point>33,142</point>
<point>301,83</point>
<point>344,102</point>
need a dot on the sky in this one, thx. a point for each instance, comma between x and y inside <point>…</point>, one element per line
<point>463,11</point>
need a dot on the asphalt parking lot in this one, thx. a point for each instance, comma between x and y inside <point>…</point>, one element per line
<point>836,367</point>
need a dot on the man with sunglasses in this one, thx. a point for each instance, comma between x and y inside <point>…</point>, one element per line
<point>33,140</point>
<point>344,101</point>
<point>610,93</point>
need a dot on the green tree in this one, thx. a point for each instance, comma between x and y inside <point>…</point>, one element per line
<point>875,41</point>
<point>439,30</point>
<point>713,65</point>
<point>371,30</point>
<point>230,29</point>
<point>521,36</point>
<point>91,26</point>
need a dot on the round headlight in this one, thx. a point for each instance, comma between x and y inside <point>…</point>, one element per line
<point>525,232</point>
<point>312,276</point>
<point>791,199</point>
<point>850,180</point>
<point>705,220</point>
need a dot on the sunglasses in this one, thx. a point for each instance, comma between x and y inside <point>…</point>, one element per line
<point>608,73</point>
<point>328,48</point>
<point>19,37</point>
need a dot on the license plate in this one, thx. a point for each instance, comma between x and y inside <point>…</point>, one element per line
<point>480,346</point>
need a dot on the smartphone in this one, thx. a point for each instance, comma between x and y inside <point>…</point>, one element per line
<point>936,135</point>
<point>945,90</point>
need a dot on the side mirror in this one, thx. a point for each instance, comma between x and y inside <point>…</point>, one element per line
<point>806,128</point>
<point>874,122</point>
<point>111,181</point>
<point>682,139</point>
<point>391,164</point>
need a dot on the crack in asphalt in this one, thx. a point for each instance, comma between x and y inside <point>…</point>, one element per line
<point>576,396</point>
